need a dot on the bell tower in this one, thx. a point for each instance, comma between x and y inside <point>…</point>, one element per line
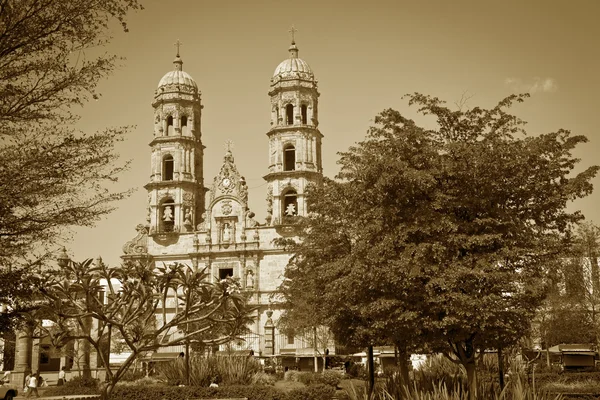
<point>176,189</point>
<point>294,139</point>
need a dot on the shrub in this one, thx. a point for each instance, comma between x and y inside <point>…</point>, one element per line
<point>130,376</point>
<point>292,375</point>
<point>312,392</point>
<point>357,371</point>
<point>145,381</point>
<point>226,370</point>
<point>307,378</point>
<point>262,378</point>
<point>189,392</point>
<point>76,385</point>
<point>330,377</point>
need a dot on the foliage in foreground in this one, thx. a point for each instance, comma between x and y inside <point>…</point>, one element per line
<point>212,369</point>
<point>135,310</point>
<point>314,392</point>
<point>327,377</point>
<point>76,385</point>
<point>515,390</point>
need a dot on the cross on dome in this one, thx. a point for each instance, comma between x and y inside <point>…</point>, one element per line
<point>293,30</point>
<point>177,44</point>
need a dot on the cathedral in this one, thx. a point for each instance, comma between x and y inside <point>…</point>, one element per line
<point>209,224</point>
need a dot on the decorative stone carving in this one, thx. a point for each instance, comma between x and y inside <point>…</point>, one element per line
<point>204,225</point>
<point>226,207</point>
<point>139,244</point>
<point>250,221</point>
<point>243,190</point>
<point>269,203</point>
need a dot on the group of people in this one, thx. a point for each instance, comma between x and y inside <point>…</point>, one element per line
<point>34,380</point>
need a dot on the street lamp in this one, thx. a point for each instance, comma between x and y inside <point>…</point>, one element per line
<point>63,258</point>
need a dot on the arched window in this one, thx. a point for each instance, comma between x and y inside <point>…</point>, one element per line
<point>289,158</point>
<point>184,123</point>
<point>169,125</point>
<point>289,114</point>
<point>168,166</point>
<point>303,110</point>
<point>167,215</point>
<point>290,204</point>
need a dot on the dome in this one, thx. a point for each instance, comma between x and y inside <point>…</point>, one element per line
<point>293,67</point>
<point>178,76</point>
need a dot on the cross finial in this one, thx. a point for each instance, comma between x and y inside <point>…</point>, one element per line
<point>228,145</point>
<point>177,44</point>
<point>293,31</point>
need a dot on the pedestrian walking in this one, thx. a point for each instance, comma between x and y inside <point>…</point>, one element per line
<point>32,385</point>
<point>61,377</point>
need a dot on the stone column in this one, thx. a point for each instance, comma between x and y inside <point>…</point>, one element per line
<point>23,352</point>
<point>269,334</point>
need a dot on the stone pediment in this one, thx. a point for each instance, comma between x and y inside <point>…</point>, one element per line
<point>229,182</point>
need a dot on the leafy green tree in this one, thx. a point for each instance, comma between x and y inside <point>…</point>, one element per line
<point>52,176</point>
<point>451,227</point>
<point>137,296</point>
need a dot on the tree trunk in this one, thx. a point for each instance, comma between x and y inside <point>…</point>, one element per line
<point>107,391</point>
<point>371,366</point>
<point>187,362</point>
<point>471,378</point>
<point>403,363</point>
<point>316,358</point>
<point>500,368</point>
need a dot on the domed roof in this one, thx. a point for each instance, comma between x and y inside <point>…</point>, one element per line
<point>178,76</point>
<point>293,67</point>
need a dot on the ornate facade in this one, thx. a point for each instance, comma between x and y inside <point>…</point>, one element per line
<point>213,227</point>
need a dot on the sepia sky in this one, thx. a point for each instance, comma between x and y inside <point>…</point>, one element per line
<point>365,55</point>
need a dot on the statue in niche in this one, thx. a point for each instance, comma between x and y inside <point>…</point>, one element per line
<point>250,279</point>
<point>290,211</point>
<point>243,190</point>
<point>168,214</point>
<point>188,217</point>
<point>226,232</point>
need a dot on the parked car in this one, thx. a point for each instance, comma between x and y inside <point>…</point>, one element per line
<point>8,392</point>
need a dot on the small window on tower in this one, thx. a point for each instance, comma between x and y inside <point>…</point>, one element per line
<point>168,168</point>
<point>289,158</point>
<point>169,125</point>
<point>277,115</point>
<point>289,114</point>
<point>184,122</point>
<point>303,110</point>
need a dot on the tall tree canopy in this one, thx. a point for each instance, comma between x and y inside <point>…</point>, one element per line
<point>52,176</point>
<point>439,237</point>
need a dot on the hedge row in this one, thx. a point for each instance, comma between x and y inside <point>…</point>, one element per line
<point>313,392</point>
